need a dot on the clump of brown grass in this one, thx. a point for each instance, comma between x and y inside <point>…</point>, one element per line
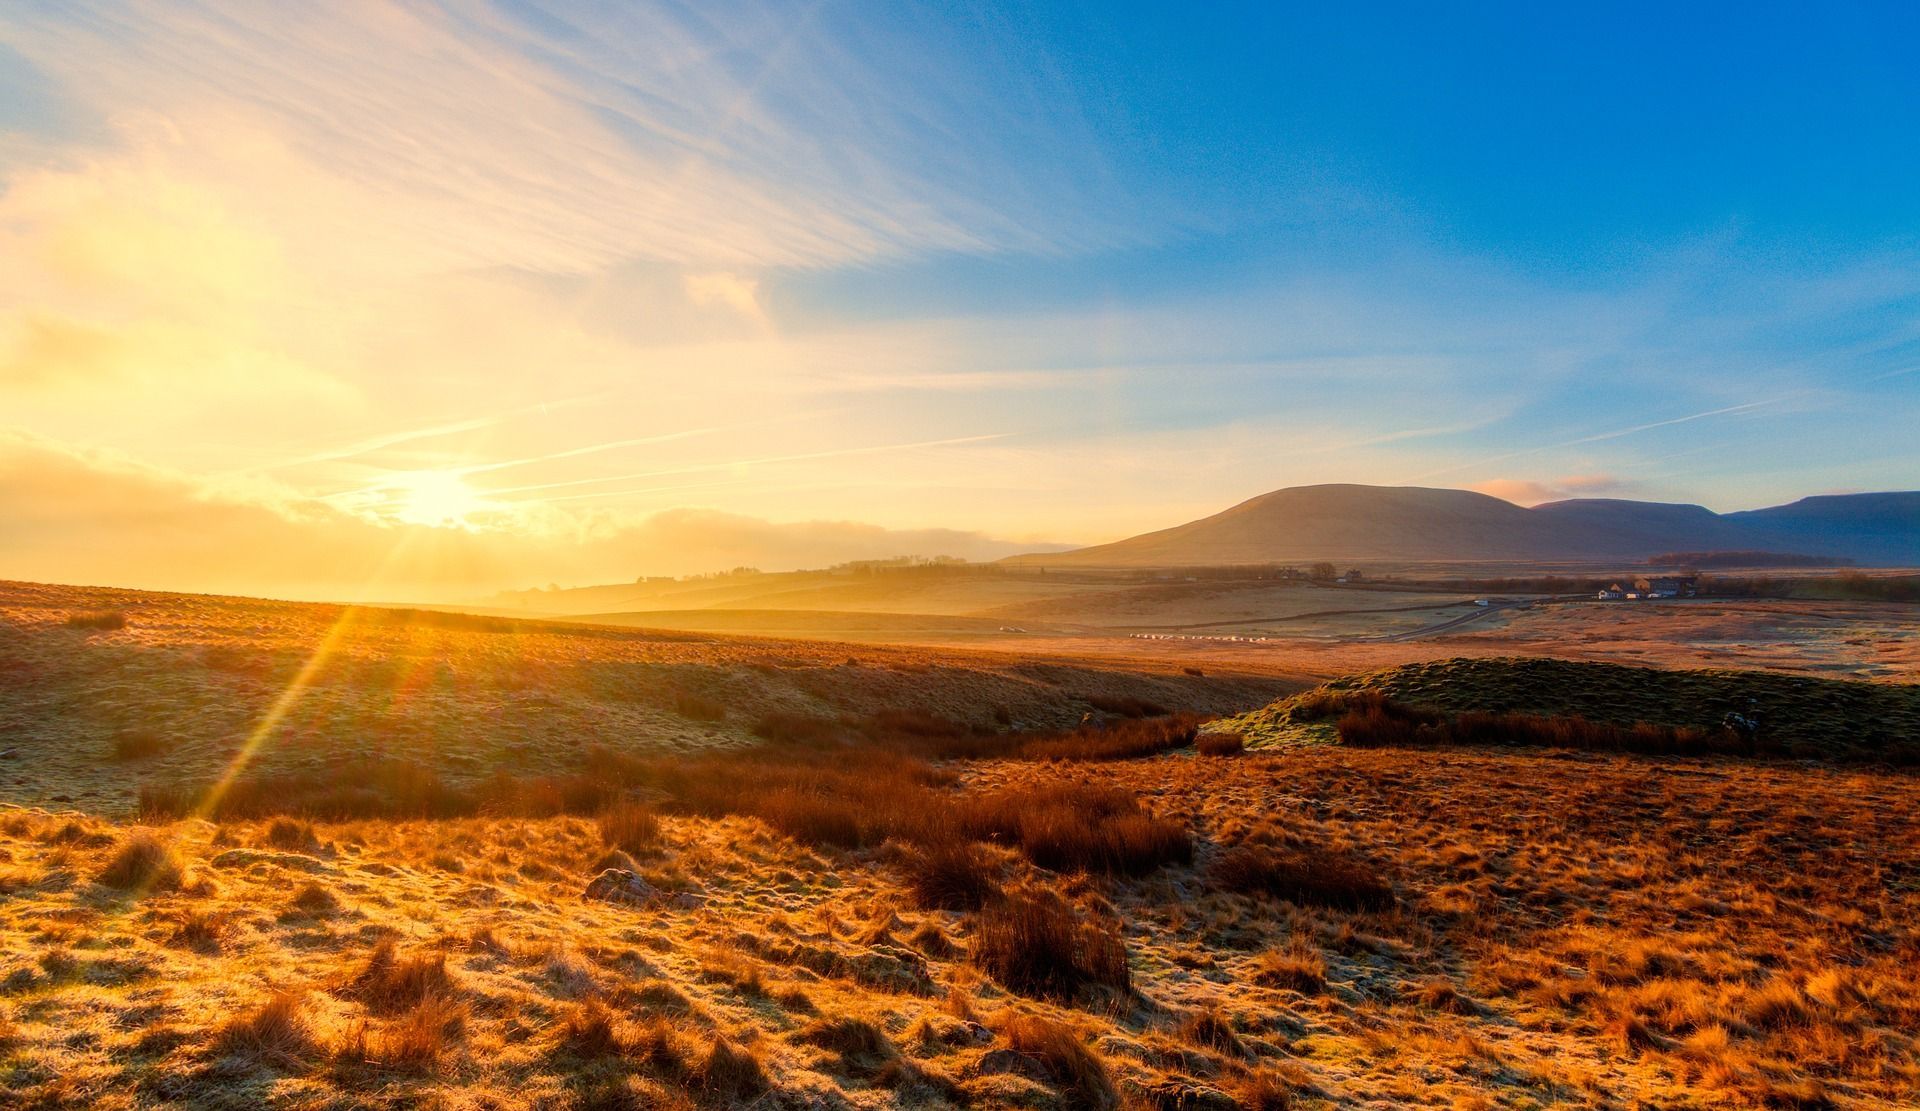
<point>1220,744</point>
<point>1440,994</point>
<point>631,827</point>
<point>1065,1057</point>
<point>1264,1090</point>
<point>203,931</point>
<point>315,901</point>
<point>278,1034</point>
<point>389,984</point>
<point>293,837</point>
<point>861,1046</point>
<point>1307,877</point>
<point>730,1073</point>
<point>951,875</point>
<point>144,863</point>
<point>1299,967</point>
<point>417,1040</point>
<point>1039,945</point>
<point>1075,827</point>
<point>1122,740</point>
<point>105,620</point>
<point>1209,1029</point>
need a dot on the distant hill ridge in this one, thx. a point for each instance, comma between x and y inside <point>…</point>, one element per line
<point>1348,522</point>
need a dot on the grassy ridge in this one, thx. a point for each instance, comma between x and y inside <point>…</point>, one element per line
<point>1805,717</point>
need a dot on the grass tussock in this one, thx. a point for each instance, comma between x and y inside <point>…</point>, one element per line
<point>631,827</point>
<point>951,875</point>
<point>1066,1059</point>
<point>1040,945</point>
<point>389,983</point>
<point>1315,877</point>
<point>1220,744</point>
<point>144,863</point>
<point>98,620</point>
<point>279,1034</point>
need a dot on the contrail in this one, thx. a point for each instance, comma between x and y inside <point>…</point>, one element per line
<point>375,443</point>
<point>1600,436</point>
<point>697,467</point>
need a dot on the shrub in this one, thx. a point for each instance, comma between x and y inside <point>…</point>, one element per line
<point>144,863</point>
<point>1221,744</point>
<point>1038,945</point>
<point>101,619</point>
<point>1069,1064</point>
<point>1323,878</point>
<point>630,827</point>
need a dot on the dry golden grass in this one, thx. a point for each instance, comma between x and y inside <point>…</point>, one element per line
<point>893,903</point>
<point>1608,931</point>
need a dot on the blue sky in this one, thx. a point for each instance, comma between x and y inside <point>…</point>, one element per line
<point>1048,272</point>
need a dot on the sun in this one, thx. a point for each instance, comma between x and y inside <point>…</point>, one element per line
<point>433,498</point>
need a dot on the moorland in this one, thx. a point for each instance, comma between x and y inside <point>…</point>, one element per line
<point>264,853</point>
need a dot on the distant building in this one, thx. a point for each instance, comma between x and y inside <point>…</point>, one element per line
<point>1667,586</point>
<point>1613,593</point>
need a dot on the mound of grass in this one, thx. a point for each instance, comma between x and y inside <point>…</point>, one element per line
<point>144,863</point>
<point>103,620</point>
<point>1039,945</point>
<point>1802,717</point>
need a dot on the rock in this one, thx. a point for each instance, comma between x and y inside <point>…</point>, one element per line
<point>9,754</point>
<point>618,885</point>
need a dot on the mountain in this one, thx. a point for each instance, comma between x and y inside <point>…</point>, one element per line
<point>1345,522</point>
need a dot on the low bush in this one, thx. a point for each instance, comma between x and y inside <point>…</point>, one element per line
<point>1039,945</point>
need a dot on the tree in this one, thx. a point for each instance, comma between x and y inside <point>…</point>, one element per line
<point>1323,573</point>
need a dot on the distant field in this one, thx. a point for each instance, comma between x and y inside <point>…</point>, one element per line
<point>180,685</point>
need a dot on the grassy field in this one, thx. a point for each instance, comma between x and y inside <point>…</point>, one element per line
<point>186,686</point>
<point>476,863</point>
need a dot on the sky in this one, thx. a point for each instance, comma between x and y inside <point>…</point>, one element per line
<point>429,300</point>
